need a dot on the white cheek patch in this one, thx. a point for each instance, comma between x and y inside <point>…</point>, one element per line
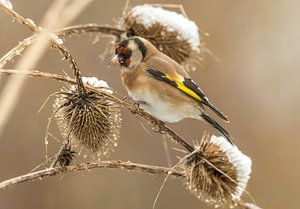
<point>132,45</point>
<point>136,55</point>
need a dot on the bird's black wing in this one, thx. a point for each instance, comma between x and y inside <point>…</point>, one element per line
<point>187,86</point>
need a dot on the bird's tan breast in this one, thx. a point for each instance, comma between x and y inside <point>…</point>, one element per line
<point>132,79</point>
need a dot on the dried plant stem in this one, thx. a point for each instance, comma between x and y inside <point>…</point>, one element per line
<point>135,110</point>
<point>51,22</point>
<point>18,17</point>
<point>90,28</point>
<point>17,50</point>
<point>246,205</point>
<point>86,166</point>
<point>11,92</point>
<point>129,166</point>
<point>67,55</point>
<point>68,31</point>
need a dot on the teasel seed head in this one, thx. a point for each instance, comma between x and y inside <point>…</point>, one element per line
<point>216,172</point>
<point>66,156</point>
<point>92,118</point>
<point>171,32</point>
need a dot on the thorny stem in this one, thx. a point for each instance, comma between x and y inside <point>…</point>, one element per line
<point>20,18</point>
<point>74,65</point>
<point>90,28</point>
<point>53,171</point>
<point>135,110</point>
<point>86,166</point>
<point>17,50</point>
<point>68,31</point>
<point>67,55</point>
<point>129,166</point>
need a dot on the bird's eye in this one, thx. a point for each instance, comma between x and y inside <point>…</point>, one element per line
<point>127,54</point>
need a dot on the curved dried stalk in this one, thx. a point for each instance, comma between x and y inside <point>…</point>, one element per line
<point>89,28</point>
<point>19,18</point>
<point>17,50</point>
<point>32,26</point>
<point>129,166</point>
<point>9,96</point>
<point>86,166</point>
<point>68,31</point>
<point>67,55</point>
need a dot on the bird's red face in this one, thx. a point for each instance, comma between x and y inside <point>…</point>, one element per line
<point>122,56</point>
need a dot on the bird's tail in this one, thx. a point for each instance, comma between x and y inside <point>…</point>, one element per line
<point>215,109</point>
<point>217,126</point>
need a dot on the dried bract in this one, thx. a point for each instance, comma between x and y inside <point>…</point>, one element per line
<point>216,172</point>
<point>66,157</point>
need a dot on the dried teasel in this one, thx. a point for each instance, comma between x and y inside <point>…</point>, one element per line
<point>91,118</point>
<point>66,156</point>
<point>171,32</point>
<point>216,172</point>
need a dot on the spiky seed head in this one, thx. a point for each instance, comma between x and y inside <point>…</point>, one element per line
<point>171,32</point>
<point>92,118</point>
<point>66,156</point>
<point>216,172</point>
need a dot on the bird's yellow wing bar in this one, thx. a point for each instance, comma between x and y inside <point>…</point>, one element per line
<point>181,86</point>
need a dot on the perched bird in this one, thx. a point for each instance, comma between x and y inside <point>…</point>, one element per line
<point>161,86</point>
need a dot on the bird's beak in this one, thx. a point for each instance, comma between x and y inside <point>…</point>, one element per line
<point>114,60</point>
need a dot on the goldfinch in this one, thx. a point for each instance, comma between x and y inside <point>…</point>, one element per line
<point>161,86</point>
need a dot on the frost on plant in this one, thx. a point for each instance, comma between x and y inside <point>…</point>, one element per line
<point>240,161</point>
<point>55,38</point>
<point>171,32</point>
<point>7,4</point>
<point>31,22</point>
<point>186,29</point>
<point>91,118</point>
<point>216,172</point>
<point>93,81</point>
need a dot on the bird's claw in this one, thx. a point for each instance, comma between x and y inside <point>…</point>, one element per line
<point>133,102</point>
<point>128,99</point>
<point>159,128</point>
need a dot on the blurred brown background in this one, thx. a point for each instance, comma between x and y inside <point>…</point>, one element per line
<point>256,83</point>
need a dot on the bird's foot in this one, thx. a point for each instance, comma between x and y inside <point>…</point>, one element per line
<point>136,104</point>
<point>159,128</point>
<point>133,102</point>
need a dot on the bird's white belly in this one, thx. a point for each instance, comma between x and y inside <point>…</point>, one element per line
<point>163,110</point>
